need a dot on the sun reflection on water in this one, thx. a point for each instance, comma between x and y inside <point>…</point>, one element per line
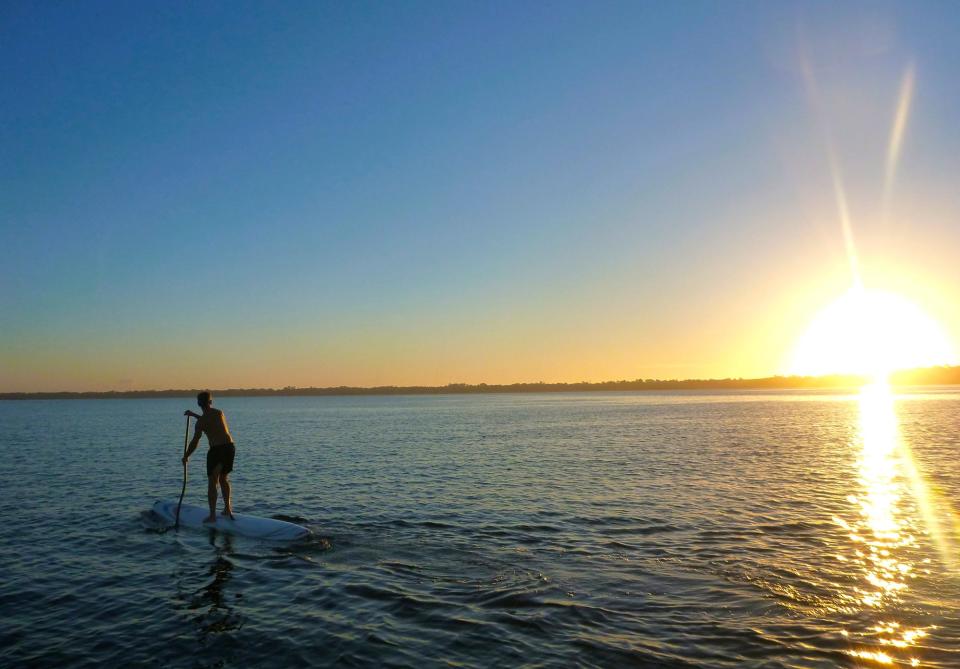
<point>883,532</point>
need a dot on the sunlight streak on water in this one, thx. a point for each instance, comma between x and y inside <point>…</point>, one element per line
<point>885,532</point>
<point>884,450</point>
<point>883,529</point>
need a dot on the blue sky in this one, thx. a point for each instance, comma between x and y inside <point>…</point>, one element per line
<point>261,193</point>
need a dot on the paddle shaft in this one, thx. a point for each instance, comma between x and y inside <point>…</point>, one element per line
<point>186,434</point>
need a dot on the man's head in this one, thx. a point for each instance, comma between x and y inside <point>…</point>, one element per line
<point>204,399</point>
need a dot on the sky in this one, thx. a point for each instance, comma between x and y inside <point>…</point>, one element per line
<point>315,194</point>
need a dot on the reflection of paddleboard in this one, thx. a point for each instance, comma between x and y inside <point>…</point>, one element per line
<point>247,526</point>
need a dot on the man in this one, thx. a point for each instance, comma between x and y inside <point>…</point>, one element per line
<point>219,456</point>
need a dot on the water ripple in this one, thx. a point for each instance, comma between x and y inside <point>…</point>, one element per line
<point>673,530</point>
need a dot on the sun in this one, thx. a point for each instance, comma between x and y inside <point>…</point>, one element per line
<point>870,333</point>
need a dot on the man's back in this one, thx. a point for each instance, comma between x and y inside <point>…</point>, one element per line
<point>214,425</point>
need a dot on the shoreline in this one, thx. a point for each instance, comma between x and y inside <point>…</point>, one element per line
<point>932,376</point>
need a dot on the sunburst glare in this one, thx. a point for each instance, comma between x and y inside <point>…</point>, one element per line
<point>870,333</point>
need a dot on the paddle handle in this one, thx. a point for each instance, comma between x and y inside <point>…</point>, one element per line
<point>186,434</point>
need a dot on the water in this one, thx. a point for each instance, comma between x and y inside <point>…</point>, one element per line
<point>556,530</point>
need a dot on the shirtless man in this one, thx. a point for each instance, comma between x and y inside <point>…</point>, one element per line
<point>219,456</point>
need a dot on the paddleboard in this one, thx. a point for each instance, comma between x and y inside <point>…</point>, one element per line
<point>247,526</point>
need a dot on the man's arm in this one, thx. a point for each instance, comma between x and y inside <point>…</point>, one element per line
<point>193,443</point>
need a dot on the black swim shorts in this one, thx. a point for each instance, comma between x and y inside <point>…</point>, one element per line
<point>221,455</point>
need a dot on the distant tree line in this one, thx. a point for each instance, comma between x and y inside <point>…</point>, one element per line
<point>925,376</point>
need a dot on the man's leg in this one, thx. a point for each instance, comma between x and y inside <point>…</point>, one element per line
<point>212,495</point>
<point>225,490</point>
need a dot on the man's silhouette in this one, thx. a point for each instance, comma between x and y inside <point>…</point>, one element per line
<point>219,456</point>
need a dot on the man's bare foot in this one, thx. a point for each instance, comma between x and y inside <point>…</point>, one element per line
<point>228,513</point>
<point>210,519</point>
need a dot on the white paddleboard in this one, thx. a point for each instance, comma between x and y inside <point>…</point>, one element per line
<point>247,526</point>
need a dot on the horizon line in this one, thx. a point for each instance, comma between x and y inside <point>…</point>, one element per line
<point>933,375</point>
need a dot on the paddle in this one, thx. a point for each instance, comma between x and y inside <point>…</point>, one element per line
<point>186,434</point>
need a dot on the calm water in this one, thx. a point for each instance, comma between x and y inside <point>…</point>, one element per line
<point>607,530</point>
